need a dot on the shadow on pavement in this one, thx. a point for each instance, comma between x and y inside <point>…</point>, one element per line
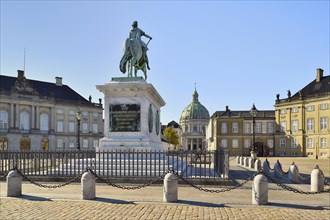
<point>235,175</point>
<point>195,203</point>
<point>295,206</point>
<point>114,201</point>
<point>34,198</point>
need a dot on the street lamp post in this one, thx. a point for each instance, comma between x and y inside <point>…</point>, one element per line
<point>78,117</point>
<point>253,112</point>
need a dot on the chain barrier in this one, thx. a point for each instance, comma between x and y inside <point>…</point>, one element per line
<point>293,189</point>
<point>306,179</point>
<point>7,172</point>
<point>179,176</point>
<point>269,166</point>
<point>280,166</point>
<point>5,175</point>
<point>129,187</point>
<point>218,190</point>
<point>50,186</point>
<point>323,177</point>
<point>301,178</point>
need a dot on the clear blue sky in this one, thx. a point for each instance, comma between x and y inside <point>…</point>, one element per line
<point>238,52</point>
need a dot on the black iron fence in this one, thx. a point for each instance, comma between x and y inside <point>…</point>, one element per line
<point>116,164</point>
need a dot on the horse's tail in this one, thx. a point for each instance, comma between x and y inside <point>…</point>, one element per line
<point>126,56</point>
<point>122,64</point>
<point>123,61</point>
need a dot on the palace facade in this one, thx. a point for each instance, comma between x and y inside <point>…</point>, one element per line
<point>303,120</point>
<point>233,131</point>
<point>36,115</point>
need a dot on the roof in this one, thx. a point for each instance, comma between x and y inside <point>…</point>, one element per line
<point>243,114</point>
<point>195,110</point>
<point>319,87</point>
<point>21,85</point>
<point>313,88</point>
<point>174,124</point>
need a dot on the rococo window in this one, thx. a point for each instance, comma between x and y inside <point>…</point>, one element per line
<point>3,121</point>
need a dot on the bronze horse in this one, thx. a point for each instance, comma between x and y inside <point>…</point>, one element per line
<point>133,57</point>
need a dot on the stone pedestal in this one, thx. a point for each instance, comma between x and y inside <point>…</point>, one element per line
<point>131,115</point>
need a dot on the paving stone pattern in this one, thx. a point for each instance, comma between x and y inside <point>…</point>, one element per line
<point>61,209</point>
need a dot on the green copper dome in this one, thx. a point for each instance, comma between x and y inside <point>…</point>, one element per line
<point>195,110</point>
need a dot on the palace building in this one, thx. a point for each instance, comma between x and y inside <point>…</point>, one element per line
<point>233,131</point>
<point>303,120</point>
<point>36,115</point>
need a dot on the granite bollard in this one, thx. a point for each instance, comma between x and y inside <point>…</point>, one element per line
<point>257,165</point>
<point>293,174</point>
<point>251,163</point>
<point>14,184</point>
<point>265,166</point>
<point>170,189</point>
<point>88,186</point>
<point>246,161</point>
<point>277,169</point>
<point>260,190</point>
<point>317,181</point>
<point>242,160</point>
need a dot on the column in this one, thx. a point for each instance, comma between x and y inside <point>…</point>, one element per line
<point>289,124</point>
<point>52,127</point>
<point>37,117</point>
<point>33,117</point>
<point>12,115</point>
<point>16,115</point>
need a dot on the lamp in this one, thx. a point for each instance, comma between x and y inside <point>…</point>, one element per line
<point>253,112</point>
<point>78,117</point>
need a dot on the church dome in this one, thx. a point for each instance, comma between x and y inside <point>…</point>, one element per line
<point>195,110</point>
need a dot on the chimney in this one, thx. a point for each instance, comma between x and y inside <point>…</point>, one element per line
<point>58,81</point>
<point>319,74</point>
<point>20,74</point>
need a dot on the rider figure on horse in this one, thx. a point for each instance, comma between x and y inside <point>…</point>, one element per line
<point>138,33</point>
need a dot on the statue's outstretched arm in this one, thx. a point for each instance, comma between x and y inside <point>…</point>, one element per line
<point>146,35</point>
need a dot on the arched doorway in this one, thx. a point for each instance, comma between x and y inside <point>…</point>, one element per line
<point>259,146</point>
<point>25,144</point>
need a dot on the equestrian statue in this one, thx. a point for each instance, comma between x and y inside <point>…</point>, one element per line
<point>135,52</point>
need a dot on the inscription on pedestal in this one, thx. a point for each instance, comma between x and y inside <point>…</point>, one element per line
<point>125,117</point>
